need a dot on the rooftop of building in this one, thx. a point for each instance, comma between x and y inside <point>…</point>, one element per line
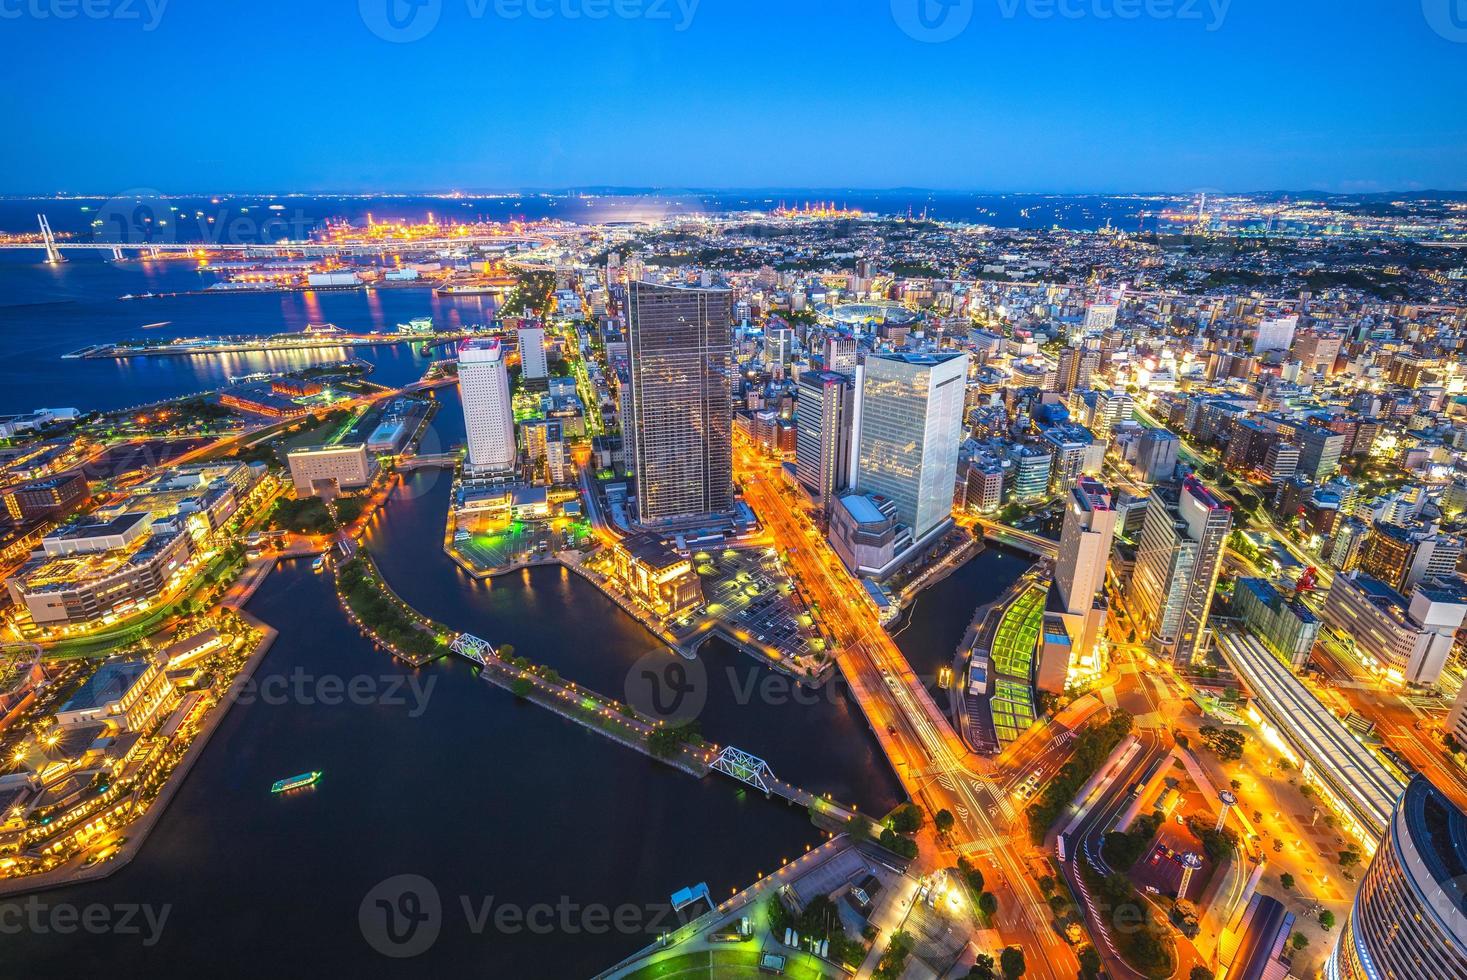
<point>109,683</point>
<point>1438,829</point>
<point>90,527</point>
<point>862,508</point>
<point>651,549</point>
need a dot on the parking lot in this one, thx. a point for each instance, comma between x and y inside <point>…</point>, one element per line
<point>749,594</point>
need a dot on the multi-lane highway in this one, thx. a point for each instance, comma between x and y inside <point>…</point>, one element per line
<point>934,766</point>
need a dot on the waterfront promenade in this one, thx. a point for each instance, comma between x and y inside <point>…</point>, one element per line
<point>137,831</point>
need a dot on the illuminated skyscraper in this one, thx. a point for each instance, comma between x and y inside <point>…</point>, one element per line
<point>483,382</point>
<point>909,421</point>
<point>680,351</point>
<point>1178,559</point>
<point>533,364</point>
<point>1409,920</point>
<point>823,434</point>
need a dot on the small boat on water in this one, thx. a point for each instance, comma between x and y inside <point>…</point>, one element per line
<point>318,564</point>
<point>296,782</point>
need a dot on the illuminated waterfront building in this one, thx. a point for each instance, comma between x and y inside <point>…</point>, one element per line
<point>680,350</point>
<point>483,381</point>
<point>333,468</point>
<point>656,575</point>
<point>1409,918</point>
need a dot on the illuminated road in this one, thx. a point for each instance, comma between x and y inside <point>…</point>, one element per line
<point>926,754</point>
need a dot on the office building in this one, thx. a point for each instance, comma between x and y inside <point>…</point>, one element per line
<point>533,362</point>
<point>823,434</point>
<point>1084,547</point>
<point>1319,451</point>
<point>1100,317</point>
<point>1275,334</point>
<point>1402,557</point>
<point>331,469</point>
<point>1156,456</point>
<point>1316,351</point>
<point>908,423</point>
<point>1074,452</point>
<point>1349,542</point>
<point>483,381</point>
<point>983,484</point>
<point>1079,572</point>
<point>1283,624</point>
<point>1409,917</point>
<point>840,354</point>
<point>1111,409</point>
<point>51,497</point>
<point>867,534</point>
<point>1408,641</point>
<point>1029,472</point>
<point>779,345</point>
<point>1183,537</point>
<point>681,358</point>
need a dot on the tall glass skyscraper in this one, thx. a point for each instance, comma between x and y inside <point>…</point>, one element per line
<point>680,348</point>
<point>1178,559</point>
<point>1409,920</point>
<point>823,434</point>
<point>909,421</point>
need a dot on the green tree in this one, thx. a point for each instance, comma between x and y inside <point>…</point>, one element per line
<point>1326,920</point>
<point>1286,881</point>
<point>1299,941</point>
<point>944,821</point>
<point>983,968</point>
<point>520,687</point>
<point>906,819</point>
<point>1011,962</point>
<point>1200,973</point>
<point>1090,962</point>
<point>988,904</point>
<point>1349,857</point>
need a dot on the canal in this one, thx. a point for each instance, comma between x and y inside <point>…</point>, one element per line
<point>453,780</point>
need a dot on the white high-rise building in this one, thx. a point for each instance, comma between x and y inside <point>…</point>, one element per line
<point>532,353</point>
<point>1100,317</point>
<point>483,382</point>
<point>1276,333</point>
<point>1079,572</point>
<point>908,423</point>
<point>1084,549</point>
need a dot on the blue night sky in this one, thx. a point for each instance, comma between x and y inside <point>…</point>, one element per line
<point>228,95</point>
